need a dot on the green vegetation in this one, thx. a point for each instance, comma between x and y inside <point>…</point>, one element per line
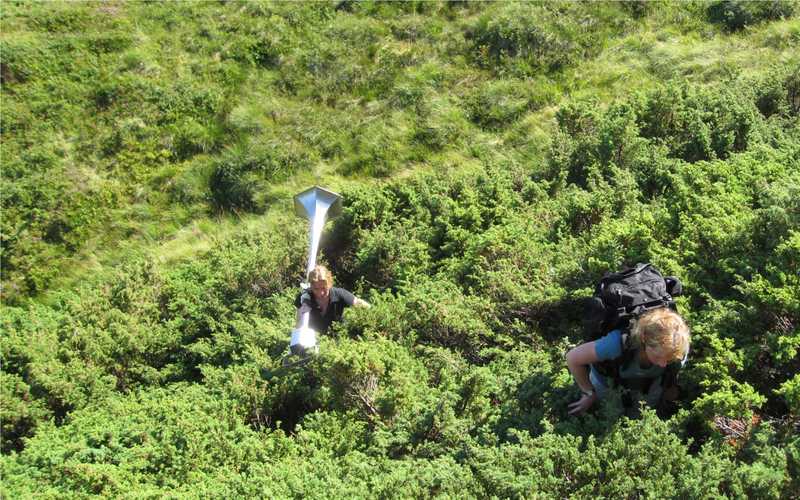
<point>495,159</point>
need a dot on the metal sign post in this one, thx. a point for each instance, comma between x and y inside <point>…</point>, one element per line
<point>315,204</point>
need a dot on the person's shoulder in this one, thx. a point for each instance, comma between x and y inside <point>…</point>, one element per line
<point>343,295</point>
<point>340,292</point>
<point>610,345</point>
<point>303,297</point>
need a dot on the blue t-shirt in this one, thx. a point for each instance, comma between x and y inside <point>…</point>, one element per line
<point>610,347</point>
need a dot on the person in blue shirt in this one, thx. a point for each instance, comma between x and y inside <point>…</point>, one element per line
<point>324,302</point>
<point>656,339</point>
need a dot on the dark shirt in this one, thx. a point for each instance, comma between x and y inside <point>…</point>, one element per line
<point>339,300</point>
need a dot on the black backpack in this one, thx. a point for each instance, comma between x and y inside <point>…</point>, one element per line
<point>622,296</point>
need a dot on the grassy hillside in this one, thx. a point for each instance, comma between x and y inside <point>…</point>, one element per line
<point>495,159</point>
<point>116,116</point>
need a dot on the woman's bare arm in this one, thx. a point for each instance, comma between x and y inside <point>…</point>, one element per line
<point>578,361</point>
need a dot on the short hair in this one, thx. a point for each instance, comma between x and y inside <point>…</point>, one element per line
<point>664,330</point>
<point>320,273</point>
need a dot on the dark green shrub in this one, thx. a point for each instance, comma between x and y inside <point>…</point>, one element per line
<point>770,307</point>
<point>738,14</point>
<point>790,390</point>
<point>60,18</point>
<point>442,316</point>
<point>499,103</point>
<point>435,312</point>
<point>167,437</point>
<point>772,95</point>
<point>692,124</point>
<point>19,61</point>
<point>637,8</point>
<point>21,412</point>
<point>191,138</point>
<point>390,255</point>
<point>259,49</point>
<point>523,39</point>
<point>108,42</point>
<point>376,380</point>
<point>165,380</point>
<point>240,178</point>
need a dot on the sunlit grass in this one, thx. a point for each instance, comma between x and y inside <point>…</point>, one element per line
<point>415,100</point>
<point>646,59</point>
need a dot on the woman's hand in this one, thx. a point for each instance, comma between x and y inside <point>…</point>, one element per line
<point>583,404</point>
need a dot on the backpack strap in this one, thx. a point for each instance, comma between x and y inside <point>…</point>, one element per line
<point>670,376</point>
<point>628,352</point>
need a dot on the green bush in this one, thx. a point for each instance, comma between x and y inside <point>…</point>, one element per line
<point>21,412</point>
<point>241,177</point>
<point>500,102</point>
<point>790,390</point>
<point>736,15</point>
<point>157,440</point>
<point>193,138</point>
<point>440,125</point>
<point>523,39</point>
<point>502,195</point>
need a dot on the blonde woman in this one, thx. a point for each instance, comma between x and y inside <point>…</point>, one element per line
<point>642,359</point>
<point>324,302</point>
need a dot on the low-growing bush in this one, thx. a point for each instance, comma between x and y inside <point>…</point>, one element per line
<point>168,376</point>
<point>499,103</point>
<point>240,178</point>
<point>521,39</point>
<point>736,15</point>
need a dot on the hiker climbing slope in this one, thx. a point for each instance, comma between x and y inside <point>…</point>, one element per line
<point>324,302</point>
<point>640,340</point>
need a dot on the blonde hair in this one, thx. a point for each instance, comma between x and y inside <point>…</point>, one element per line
<point>320,273</point>
<point>662,330</point>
